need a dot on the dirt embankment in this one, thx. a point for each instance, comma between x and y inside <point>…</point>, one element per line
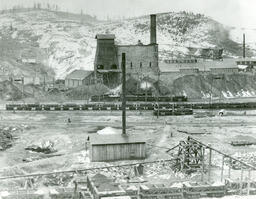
<point>10,91</point>
<point>226,86</point>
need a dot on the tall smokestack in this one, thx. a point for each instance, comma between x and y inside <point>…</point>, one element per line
<point>123,94</point>
<point>153,29</point>
<point>243,45</point>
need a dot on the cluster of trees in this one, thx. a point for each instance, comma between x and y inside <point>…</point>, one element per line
<point>47,6</point>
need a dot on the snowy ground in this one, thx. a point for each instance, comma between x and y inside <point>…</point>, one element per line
<point>69,139</point>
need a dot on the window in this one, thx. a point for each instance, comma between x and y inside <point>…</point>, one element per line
<point>100,67</point>
<point>140,65</point>
<point>150,64</point>
<point>131,65</point>
<point>114,66</point>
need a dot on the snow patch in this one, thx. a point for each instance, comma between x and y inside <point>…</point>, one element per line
<point>108,131</point>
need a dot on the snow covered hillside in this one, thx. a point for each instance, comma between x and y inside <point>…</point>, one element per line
<point>68,40</point>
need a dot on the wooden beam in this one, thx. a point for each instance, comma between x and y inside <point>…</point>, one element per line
<point>249,182</point>
<point>229,168</point>
<point>222,168</point>
<point>202,171</point>
<point>241,180</point>
<point>209,164</point>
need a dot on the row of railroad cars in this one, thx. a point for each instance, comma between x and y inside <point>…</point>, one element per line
<point>193,190</point>
<point>129,106</point>
<point>138,98</point>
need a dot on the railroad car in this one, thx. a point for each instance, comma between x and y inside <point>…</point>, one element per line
<point>194,190</point>
<point>32,107</point>
<point>181,98</point>
<point>71,107</point>
<point>52,107</point>
<point>164,112</point>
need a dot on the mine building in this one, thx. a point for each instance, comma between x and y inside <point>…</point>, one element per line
<point>140,58</point>
<point>246,64</point>
<point>78,78</point>
<point>117,147</point>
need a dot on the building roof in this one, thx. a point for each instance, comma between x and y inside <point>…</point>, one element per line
<point>105,36</point>
<point>104,184</point>
<point>78,74</point>
<point>116,139</point>
<point>109,71</point>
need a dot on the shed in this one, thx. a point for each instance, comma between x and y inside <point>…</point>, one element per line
<point>78,78</point>
<point>117,147</point>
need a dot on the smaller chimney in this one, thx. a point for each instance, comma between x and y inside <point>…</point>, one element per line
<point>153,29</point>
<point>243,45</point>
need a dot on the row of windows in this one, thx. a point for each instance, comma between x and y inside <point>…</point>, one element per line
<point>181,61</point>
<point>247,62</point>
<point>141,65</point>
<point>102,67</point>
<point>225,69</point>
<point>114,66</point>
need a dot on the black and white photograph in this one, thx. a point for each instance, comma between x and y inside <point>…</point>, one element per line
<point>127,99</point>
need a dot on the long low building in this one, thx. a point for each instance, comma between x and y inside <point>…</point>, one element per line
<point>192,67</point>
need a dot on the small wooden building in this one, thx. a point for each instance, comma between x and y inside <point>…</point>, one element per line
<point>78,78</point>
<point>117,147</point>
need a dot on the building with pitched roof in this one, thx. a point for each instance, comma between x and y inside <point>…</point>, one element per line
<point>78,78</point>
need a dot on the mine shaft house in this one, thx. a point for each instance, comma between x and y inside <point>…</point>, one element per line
<point>78,78</point>
<point>140,59</point>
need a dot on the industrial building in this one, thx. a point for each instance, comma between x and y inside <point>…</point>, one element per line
<point>117,147</point>
<point>142,59</point>
<point>78,78</point>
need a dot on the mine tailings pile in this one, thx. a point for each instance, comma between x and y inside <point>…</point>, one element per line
<point>229,85</point>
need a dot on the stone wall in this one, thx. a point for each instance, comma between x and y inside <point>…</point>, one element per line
<point>140,59</point>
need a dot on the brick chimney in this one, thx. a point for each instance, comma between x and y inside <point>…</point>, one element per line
<point>153,29</point>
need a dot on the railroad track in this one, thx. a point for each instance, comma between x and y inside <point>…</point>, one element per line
<point>137,123</point>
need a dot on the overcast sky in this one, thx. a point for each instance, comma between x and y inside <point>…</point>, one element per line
<point>240,13</point>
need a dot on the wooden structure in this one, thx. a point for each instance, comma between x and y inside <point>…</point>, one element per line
<point>101,186</point>
<point>190,156</point>
<point>78,78</point>
<point>154,191</point>
<point>117,147</point>
<point>195,190</point>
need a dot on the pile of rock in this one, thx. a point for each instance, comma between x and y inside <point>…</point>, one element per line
<point>6,137</point>
<point>45,147</point>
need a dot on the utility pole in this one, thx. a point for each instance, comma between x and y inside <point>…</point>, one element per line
<point>22,81</point>
<point>243,45</point>
<point>44,82</point>
<point>146,96</point>
<point>123,94</point>
<point>158,79</point>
